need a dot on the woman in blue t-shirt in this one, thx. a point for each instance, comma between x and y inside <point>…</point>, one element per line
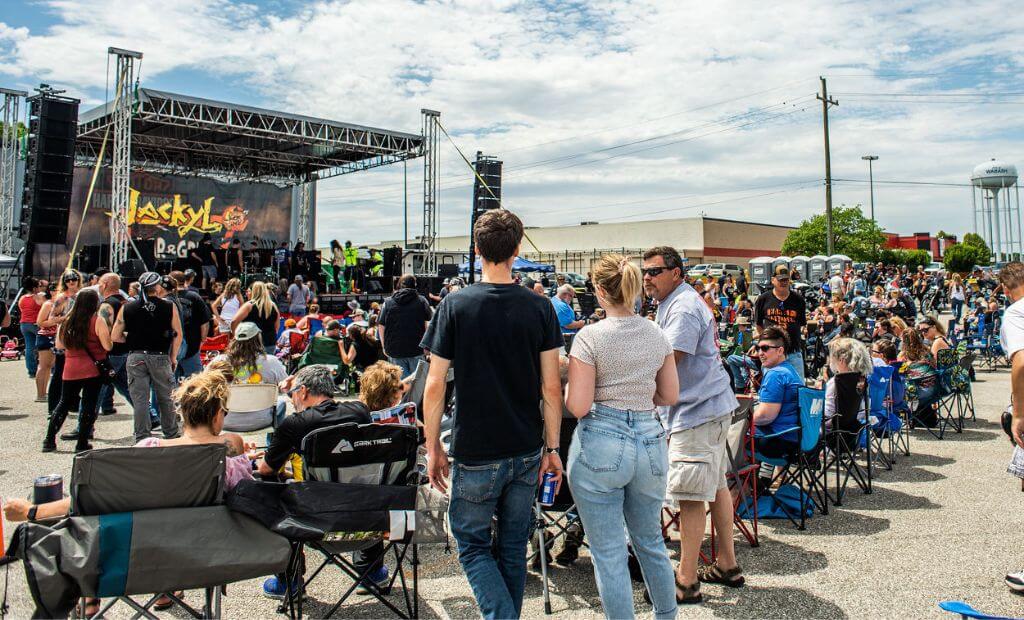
<point>778,408</point>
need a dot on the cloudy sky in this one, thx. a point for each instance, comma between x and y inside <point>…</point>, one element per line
<point>601,111</point>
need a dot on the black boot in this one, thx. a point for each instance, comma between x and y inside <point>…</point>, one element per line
<point>88,424</point>
<point>52,428</point>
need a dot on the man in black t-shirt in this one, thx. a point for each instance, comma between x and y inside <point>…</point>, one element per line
<point>207,257</point>
<point>195,317</point>
<point>503,342</point>
<point>149,328</point>
<point>785,308</point>
<point>311,391</point>
<point>402,323</point>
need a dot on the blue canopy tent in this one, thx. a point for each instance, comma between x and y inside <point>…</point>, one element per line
<point>520,264</point>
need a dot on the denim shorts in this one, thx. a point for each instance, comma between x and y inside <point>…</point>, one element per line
<point>44,343</point>
<point>698,461</point>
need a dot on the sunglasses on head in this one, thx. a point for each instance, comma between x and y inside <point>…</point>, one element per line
<point>764,348</point>
<point>652,271</point>
<point>295,389</point>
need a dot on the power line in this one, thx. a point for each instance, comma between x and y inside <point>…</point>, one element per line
<point>925,183</point>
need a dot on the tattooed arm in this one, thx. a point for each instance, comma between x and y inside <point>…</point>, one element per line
<point>106,313</point>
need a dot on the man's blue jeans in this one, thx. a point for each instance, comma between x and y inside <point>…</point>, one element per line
<point>28,332</point>
<point>407,364</point>
<point>797,361</point>
<point>120,383</point>
<point>618,464</point>
<point>481,490</point>
<point>739,368</point>
<point>188,366</point>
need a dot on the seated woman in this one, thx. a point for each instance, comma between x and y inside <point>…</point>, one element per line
<point>250,364</point>
<point>326,348</point>
<point>932,331</point>
<point>362,350</point>
<point>202,400</point>
<point>778,408</point>
<point>845,355</point>
<point>920,371</point>
<point>313,315</point>
<point>877,298</point>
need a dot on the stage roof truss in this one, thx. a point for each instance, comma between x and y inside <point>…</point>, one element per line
<point>185,135</point>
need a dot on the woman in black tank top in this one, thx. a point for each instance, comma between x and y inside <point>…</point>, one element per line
<point>261,310</point>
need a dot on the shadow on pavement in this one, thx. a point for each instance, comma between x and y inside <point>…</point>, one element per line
<point>883,498</point>
<point>759,602</point>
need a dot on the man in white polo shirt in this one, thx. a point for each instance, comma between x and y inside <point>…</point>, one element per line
<point>1011,335</point>
<point>697,424</point>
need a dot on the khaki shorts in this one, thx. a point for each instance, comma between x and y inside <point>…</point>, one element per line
<point>698,461</point>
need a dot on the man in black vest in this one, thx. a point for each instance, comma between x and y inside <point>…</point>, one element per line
<point>403,321</point>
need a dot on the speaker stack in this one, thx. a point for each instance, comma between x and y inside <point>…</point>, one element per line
<point>486,198</point>
<point>49,170</point>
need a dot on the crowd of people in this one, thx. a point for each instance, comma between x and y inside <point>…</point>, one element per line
<point>651,418</point>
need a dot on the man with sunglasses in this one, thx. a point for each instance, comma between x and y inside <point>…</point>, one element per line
<point>787,309</point>
<point>778,406</point>
<point>697,424</point>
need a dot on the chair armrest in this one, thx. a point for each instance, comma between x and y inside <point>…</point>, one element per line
<point>783,432</point>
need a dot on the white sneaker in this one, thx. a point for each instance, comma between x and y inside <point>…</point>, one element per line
<point>1016,581</point>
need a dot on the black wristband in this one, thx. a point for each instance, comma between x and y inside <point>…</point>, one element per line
<point>550,450</point>
<point>32,513</point>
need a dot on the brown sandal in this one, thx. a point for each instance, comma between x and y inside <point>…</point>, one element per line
<point>712,573</point>
<point>688,595</point>
<point>165,602</point>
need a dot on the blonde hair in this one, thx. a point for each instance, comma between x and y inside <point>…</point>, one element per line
<point>853,353</point>
<point>378,385</point>
<point>898,323</point>
<point>201,397</point>
<point>231,289</point>
<point>260,299</point>
<point>618,278</point>
<point>957,279</point>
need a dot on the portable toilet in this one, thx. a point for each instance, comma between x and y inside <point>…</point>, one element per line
<point>840,262</point>
<point>760,273</point>
<point>799,264</point>
<point>817,266</point>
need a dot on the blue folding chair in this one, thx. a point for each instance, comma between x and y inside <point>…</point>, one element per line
<point>882,422</point>
<point>965,611</point>
<point>803,469</point>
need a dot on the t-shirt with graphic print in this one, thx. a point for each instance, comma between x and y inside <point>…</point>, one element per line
<point>789,313</point>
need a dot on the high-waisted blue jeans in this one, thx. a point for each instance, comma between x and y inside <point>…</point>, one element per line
<point>618,463</point>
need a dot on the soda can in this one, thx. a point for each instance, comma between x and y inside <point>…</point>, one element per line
<point>48,489</point>
<point>547,489</point>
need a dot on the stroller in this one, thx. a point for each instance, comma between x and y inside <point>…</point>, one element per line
<point>10,348</point>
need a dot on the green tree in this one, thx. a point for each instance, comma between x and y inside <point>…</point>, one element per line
<point>910,258</point>
<point>983,251</point>
<point>961,258</point>
<point>855,235</point>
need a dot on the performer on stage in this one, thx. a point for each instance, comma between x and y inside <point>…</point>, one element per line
<point>282,256</point>
<point>235,258</point>
<point>337,263</point>
<point>351,264</point>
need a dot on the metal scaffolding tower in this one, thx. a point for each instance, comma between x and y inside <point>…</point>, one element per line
<point>9,119</point>
<point>124,101</point>
<point>430,189</point>
<point>303,230</point>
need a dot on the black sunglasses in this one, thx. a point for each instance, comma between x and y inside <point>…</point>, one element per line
<point>764,348</point>
<point>653,271</point>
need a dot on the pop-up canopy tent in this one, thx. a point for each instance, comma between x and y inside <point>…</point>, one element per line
<point>520,264</point>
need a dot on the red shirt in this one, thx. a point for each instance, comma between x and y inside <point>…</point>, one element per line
<point>77,364</point>
<point>29,308</point>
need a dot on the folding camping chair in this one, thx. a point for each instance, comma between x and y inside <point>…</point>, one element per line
<point>881,420</point>
<point>803,469</point>
<point>898,406</point>
<point>952,379</point>
<point>843,441</point>
<point>742,474</point>
<point>246,404</point>
<point>128,480</point>
<point>378,454</point>
<point>553,522</point>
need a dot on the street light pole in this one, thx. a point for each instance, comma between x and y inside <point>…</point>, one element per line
<point>871,181</point>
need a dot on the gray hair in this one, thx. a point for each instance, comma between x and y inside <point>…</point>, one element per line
<point>317,378</point>
<point>853,353</point>
<point>566,288</point>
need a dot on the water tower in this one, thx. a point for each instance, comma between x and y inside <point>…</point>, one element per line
<point>996,215</point>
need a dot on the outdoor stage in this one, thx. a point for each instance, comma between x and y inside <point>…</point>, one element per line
<point>200,166</point>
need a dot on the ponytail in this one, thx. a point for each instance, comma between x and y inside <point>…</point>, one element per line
<point>619,279</point>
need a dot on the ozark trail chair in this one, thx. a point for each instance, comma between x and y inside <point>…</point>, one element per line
<point>843,441</point>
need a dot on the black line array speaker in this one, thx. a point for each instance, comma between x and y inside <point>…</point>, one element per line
<point>392,262</point>
<point>49,168</point>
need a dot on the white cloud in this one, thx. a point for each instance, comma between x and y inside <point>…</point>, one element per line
<point>574,78</point>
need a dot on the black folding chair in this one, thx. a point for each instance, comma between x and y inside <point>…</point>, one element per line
<point>379,454</point>
<point>117,480</point>
<point>843,441</point>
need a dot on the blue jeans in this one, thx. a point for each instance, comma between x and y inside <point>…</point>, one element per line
<point>407,364</point>
<point>797,360</point>
<point>120,383</point>
<point>618,463</point>
<point>188,366</point>
<point>481,490</point>
<point>28,333</point>
<point>956,307</point>
<point>739,365</point>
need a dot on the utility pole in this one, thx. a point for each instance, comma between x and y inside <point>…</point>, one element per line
<point>825,102</point>
<point>871,181</point>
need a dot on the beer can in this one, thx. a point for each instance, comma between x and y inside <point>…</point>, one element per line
<point>871,324</point>
<point>48,489</point>
<point>547,489</point>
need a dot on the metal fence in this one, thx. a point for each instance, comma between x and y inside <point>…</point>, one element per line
<point>580,261</point>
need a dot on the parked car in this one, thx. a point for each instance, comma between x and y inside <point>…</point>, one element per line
<point>698,271</point>
<point>934,268</point>
<point>717,270</point>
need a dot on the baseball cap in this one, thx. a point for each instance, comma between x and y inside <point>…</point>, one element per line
<point>246,331</point>
<point>289,322</point>
<point>782,272</point>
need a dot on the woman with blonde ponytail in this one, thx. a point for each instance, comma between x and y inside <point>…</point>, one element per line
<point>619,369</point>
